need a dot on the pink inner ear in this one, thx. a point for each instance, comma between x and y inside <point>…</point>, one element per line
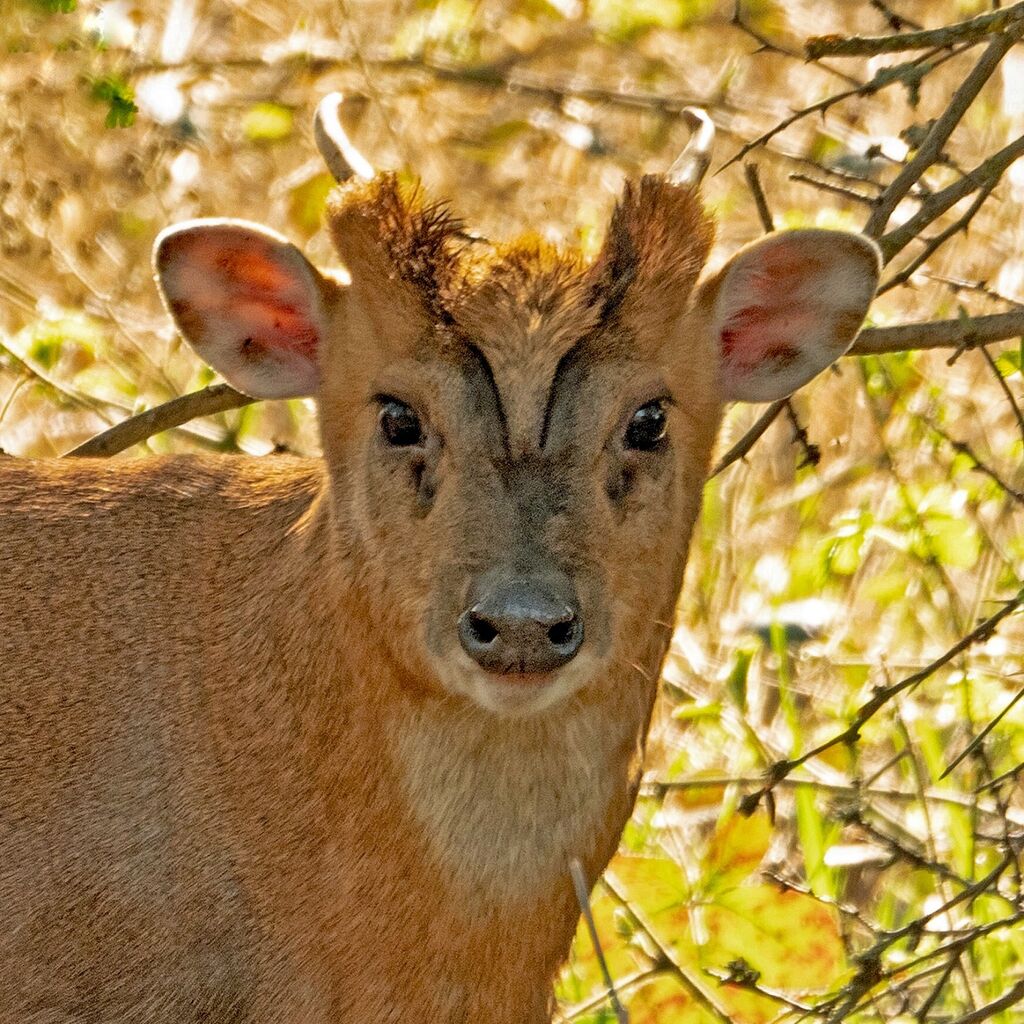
<point>755,335</point>
<point>250,286</point>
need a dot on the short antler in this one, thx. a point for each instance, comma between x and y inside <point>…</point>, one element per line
<point>692,164</point>
<point>342,158</point>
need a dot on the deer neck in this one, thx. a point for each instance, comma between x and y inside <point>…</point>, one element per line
<point>504,805</point>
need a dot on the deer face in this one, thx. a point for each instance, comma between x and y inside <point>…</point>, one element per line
<point>516,441</point>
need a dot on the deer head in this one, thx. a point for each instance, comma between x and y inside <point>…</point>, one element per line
<point>515,440</point>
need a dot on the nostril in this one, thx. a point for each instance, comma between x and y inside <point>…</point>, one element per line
<point>563,633</point>
<point>481,630</point>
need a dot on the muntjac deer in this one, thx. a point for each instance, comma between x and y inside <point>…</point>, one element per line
<point>316,741</point>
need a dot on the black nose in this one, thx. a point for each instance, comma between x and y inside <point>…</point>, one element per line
<point>520,624</point>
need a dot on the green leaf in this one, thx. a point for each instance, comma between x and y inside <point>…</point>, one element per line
<point>120,99</point>
<point>624,20</point>
<point>663,999</point>
<point>267,122</point>
<point>308,201</point>
<point>736,683</point>
<point>954,541</point>
<point>813,834</point>
<point>1010,361</point>
<point>655,883</point>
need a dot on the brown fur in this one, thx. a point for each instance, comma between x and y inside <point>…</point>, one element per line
<point>235,783</point>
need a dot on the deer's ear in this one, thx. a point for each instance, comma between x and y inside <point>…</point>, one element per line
<point>787,306</point>
<point>247,301</point>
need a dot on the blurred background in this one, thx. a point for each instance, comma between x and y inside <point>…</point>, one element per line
<point>869,530</point>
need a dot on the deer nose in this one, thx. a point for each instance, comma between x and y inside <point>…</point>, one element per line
<point>521,625</point>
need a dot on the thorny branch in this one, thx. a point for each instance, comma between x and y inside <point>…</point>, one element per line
<point>931,148</point>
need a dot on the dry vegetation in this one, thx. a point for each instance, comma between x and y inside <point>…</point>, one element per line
<point>833,821</point>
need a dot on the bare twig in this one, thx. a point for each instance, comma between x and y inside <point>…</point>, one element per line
<point>1009,998</point>
<point>767,46</point>
<point>134,430</point>
<point>1010,397</point>
<point>896,21</point>
<point>757,191</point>
<point>1006,20</point>
<point>839,190</point>
<point>750,438</point>
<point>914,70</point>
<point>812,453</point>
<point>931,148</point>
<point>959,284</point>
<point>579,881</point>
<point>973,745</point>
<point>962,448</point>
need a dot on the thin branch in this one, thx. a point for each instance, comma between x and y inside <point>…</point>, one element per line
<point>1007,20</point>
<point>896,21</point>
<point>657,788</point>
<point>962,448</point>
<point>931,148</point>
<point>136,429</point>
<point>750,438</point>
<point>1009,998</point>
<point>662,956</point>
<point>1010,396</point>
<point>579,881</point>
<point>973,745</point>
<point>765,45</point>
<point>812,453</point>
<point>959,284</point>
<point>839,190</point>
<point>914,70</point>
<point>760,201</point>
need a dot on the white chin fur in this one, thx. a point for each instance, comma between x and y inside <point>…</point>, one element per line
<point>460,675</point>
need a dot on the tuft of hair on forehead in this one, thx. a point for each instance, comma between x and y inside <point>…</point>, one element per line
<point>657,244</point>
<point>384,229</point>
<point>524,282</point>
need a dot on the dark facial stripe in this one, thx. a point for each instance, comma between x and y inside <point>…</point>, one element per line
<point>478,365</point>
<point>572,358</point>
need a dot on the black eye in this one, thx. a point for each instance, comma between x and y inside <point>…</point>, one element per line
<point>399,424</point>
<point>646,429</point>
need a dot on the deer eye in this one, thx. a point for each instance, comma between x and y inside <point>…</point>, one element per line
<point>399,424</point>
<point>646,429</point>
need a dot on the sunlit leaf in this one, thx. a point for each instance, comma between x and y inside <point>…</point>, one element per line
<point>120,99</point>
<point>267,122</point>
<point>308,201</point>
<point>955,541</point>
<point>622,20</point>
<point>791,939</point>
<point>655,883</point>
<point>736,850</point>
<point>664,1000</point>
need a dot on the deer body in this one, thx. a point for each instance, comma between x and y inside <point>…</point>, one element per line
<point>316,741</point>
<point>296,786</point>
